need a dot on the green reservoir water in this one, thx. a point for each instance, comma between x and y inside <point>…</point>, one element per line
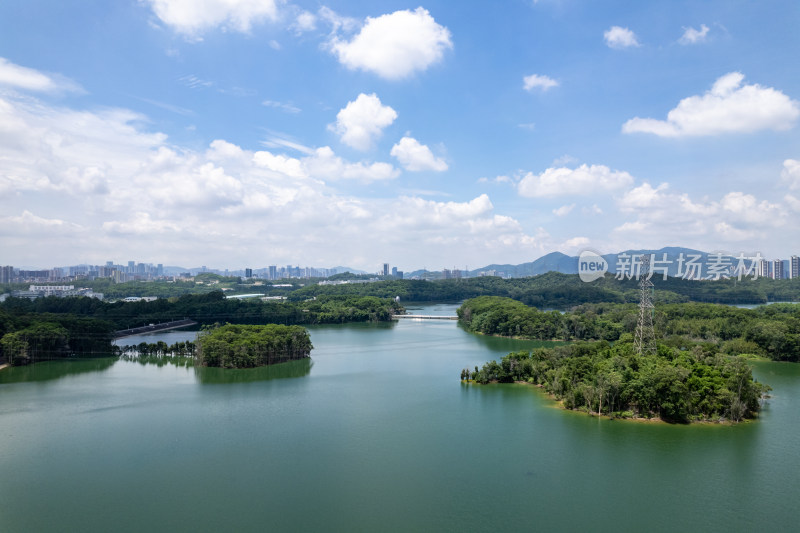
<point>375,433</point>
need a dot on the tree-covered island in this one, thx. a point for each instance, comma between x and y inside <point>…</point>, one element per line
<point>248,346</point>
<point>697,373</point>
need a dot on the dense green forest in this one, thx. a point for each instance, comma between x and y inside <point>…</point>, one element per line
<point>771,331</point>
<point>696,374</point>
<point>28,337</point>
<point>247,346</point>
<point>213,307</point>
<point>685,381</point>
<point>563,291</point>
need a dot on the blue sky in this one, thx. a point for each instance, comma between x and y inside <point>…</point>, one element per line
<point>441,134</point>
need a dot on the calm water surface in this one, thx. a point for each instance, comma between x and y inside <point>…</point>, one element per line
<point>375,433</point>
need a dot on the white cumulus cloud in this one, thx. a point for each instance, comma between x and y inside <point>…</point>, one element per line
<point>362,121</point>
<point>675,216</point>
<point>582,180</point>
<point>693,36</point>
<point>564,210</point>
<point>395,45</point>
<point>729,107</point>
<point>192,17</point>
<point>536,81</point>
<point>791,173</point>
<point>417,157</point>
<point>325,164</point>
<point>618,37</point>
<point>72,182</point>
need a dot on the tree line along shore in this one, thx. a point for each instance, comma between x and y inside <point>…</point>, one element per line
<point>47,328</point>
<point>54,328</point>
<point>699,370</point>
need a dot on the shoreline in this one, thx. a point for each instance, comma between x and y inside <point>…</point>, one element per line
<point>559,404</point>
<point>4,366</point>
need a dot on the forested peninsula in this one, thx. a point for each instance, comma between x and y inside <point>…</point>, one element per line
<point>697,373</point>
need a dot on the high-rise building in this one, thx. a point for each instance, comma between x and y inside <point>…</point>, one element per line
<point>6,274</point>
<point>160,270</point>
<point>794,267</point>
<point>777,269</point>
<point>273,272</point>
<point>386,269</point>
<point>764,270</point>
<point>248,272</point>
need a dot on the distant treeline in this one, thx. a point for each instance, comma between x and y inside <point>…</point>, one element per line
<point>52,327</point>
<point>552,290</point>
<point>563,291</point>
<point>771,331</point>
<point>213,307</point>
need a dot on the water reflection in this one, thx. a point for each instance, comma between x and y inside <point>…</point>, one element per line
<point>507,344</point>
<point>291,369</point>
<point>51,370</point>
<point>353,326</point>
<point>159,360</point>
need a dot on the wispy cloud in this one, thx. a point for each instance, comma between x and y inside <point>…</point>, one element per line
<point>281,140</point>
<point>283,106</point>
<point>193,82</point>
<point>29,79</point>
<point>169,107</point>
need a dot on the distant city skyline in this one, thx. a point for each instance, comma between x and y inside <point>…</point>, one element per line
<point>240,133</point>
<point>741,264</point>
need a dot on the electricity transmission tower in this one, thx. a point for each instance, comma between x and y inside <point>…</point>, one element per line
<point>645,341</point>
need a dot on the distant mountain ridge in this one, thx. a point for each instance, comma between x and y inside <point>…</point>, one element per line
<point>566,264</point>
